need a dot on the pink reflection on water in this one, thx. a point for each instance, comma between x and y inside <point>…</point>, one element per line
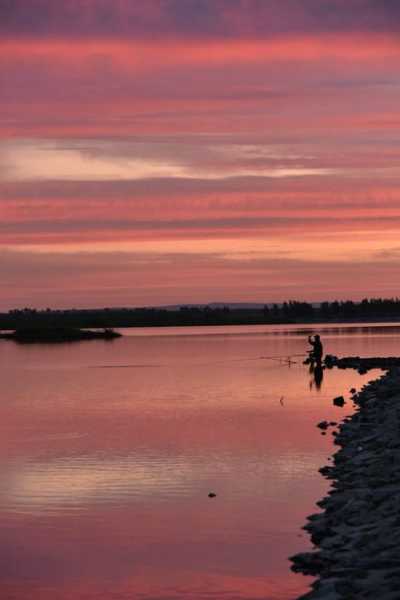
<point>106,471</point>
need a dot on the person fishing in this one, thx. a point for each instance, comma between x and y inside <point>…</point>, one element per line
<point>317,349</point>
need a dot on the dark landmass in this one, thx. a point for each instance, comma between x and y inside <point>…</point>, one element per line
<point>362,364</point>
<point>57,334</point>
<point>139,317</point>
<point>357,535</point>
<point>292,312</point>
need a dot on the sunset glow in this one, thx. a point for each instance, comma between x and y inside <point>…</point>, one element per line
<point>174,152</point>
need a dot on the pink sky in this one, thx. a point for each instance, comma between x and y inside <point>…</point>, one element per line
<point>178,151</point>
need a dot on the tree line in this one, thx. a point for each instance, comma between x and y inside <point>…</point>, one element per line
<point>292,311</point>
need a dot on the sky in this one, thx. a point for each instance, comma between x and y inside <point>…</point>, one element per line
<point>183,151</point>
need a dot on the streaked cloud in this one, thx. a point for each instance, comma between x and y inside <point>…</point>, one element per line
<point>218,142</point>
<point>101,278</point>
<point>222,18</point>
<point>104,161</point>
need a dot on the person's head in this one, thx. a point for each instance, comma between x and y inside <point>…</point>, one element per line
<point>316,336</point>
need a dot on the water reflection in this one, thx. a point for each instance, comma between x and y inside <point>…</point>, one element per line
<point>106,472</point>
<point>317,372</point>
<point>337,329</point>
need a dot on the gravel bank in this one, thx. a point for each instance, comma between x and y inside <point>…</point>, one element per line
<point>357,536</point>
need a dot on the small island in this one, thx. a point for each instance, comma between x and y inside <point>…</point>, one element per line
<point>57,335</point>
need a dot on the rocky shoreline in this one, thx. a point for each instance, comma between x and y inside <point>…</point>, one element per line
<point>362,365</point>
<point>357,536</point>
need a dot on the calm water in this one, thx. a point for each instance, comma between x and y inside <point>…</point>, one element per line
<point>108,452</point>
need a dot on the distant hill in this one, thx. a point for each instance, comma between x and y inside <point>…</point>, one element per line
<point>216,305</point>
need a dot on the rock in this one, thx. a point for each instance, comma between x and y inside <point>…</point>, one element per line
<point>308,563</point>
<point>327,471</point>
<point>339,401</point>
<point>330,361</point>
<point>357,534</point>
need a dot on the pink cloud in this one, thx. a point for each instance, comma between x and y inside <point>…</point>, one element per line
<point>198,125</point>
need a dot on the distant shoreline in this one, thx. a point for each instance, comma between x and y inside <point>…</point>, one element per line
<point>292,313</point>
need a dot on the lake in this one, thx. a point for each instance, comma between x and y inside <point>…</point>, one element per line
<point>109,450</point>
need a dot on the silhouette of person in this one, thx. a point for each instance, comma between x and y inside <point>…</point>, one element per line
<point>317,349</point>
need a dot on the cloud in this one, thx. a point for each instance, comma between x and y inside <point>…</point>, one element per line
<point>46,279</point>
<point>97,87</point>
<point>238,131</point>
<point>205,18</point>
<point>212,187</point>
<point>113,161</point>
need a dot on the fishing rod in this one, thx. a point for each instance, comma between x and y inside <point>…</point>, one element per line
<point>287,359</point>
<point>281,357</point>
